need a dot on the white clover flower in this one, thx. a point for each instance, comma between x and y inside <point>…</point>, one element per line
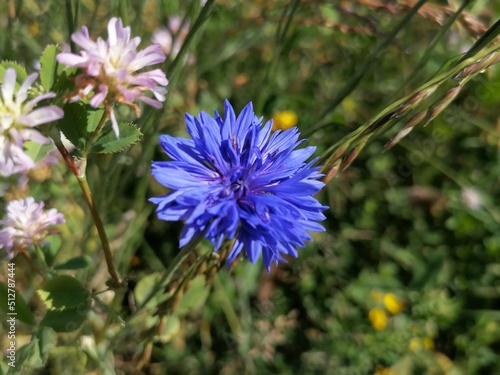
<point>18,118</point>
<point>26,224</point>
<point>472,198</point>
<point>110,70</point>
<point>172,37</point>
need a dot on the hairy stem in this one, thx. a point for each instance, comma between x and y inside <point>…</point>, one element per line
<point>78,168</point>
<point>87,195</point>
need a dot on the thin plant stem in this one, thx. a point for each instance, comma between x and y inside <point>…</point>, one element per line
<point>70,21</point>
<point>227,307</point>
<point>169,273</point>
<point>78,169</point>
<point>281,32</point>
<point>202,17</point>
<point>87,195</point>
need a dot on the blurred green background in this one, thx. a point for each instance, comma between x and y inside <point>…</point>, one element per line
<point>406,279</point>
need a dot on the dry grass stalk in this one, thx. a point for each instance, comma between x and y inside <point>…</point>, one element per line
<point>433,12</point>
<point>409,111</point>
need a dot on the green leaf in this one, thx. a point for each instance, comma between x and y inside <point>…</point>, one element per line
<point>35,354</point>
<point>79,122</point>
<point>63,292</point>
<point>93,118</point>
<point>195,296</point>
<point>49,66</point>
<point>50,251</point>
<point>47,340</point>
<point>75,263</point>
<point>20,307</point>
<point>145,286</point>
<point>21,72</point>
<point>74,124</point>
<point>109,144</point>
<point>170,329</point>
<point>37,151</point>
<point>75,359</point>
<point>66,320</point>
<point>28,357</point>
<point>110,311</point>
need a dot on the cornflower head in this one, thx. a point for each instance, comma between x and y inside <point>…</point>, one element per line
<point>235,179</point>
<point>26,223</point>
<point>18,119</point>
<point>110,70</point>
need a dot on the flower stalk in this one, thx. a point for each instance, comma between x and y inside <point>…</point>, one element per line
<point>87,195</point>
<point>78,169</point>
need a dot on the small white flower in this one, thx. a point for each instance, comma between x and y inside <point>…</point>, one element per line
<point>26,224</point>
<point>172,37</point>
<point>472,198</point>
<point>18,118</point>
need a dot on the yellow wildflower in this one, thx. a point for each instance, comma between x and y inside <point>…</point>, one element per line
<point>378,318</point>
<point>428,343</point>
<point>33,29</point>
<point>415,344</point>
<point>284,120</point>
<point>392,304</point>
<point>382,371</point>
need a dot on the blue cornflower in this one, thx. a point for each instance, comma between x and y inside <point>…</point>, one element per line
<point>236,179</point>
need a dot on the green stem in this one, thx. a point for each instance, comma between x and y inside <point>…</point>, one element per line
<point>71,25</point>
<point>227,307</point>
<point>78,169</point>
<point>169,273</point>
<point>200,20</point>
<point>272,68</point>
<point>87,195</point>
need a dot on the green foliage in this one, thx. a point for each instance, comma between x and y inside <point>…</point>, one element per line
<point>22,310</point>
<point>53,245</point>
<point>108,143</point>
<point>63,292</point>
<point>49,68</point>
<point>20,70</point>
<point>68,303</point>
<point>37,151</point>
<point>66,320</point>
<point>75,263</point>
<point>144,287</point>
<point>195,297</point>
<point>79,122</point>
<point>35,354</point>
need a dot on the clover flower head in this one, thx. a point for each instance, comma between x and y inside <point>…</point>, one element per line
<point>236,179</point>
<point>471,197</point>
<point>172,37</point>
<point>110,70</point>
<point>18,119</point>
<point>26,224</point>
